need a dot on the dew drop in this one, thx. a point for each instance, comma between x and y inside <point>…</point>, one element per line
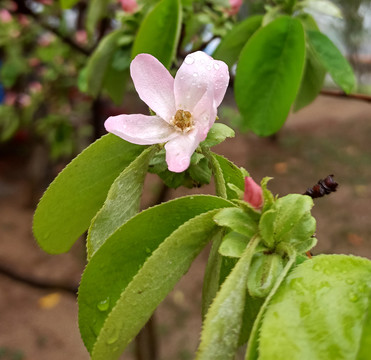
<point>350,281</point>
<point>208,67</point>
<point>353,297</point>
<point>216,66</point>
<point>363,288</point>
<point>113,336</point>
<point>195,74</point>
<point>148,250</point>
<point>182,77</point>
<point>103,305</point>
<point>189,60</point>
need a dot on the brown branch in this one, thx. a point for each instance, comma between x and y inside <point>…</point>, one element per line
<point>36,283</point>
<point>338,93</point>
<point>23,9</point>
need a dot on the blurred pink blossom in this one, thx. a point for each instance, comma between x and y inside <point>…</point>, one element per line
<point>5,16</point>
<point>129,6</point>
<point>234,6</point>
<point>253,193</point>
<point>81,36</point>
<point>33,62</point>
<point>185,107</point>
<point>10,98</point>
<point>35,87</point>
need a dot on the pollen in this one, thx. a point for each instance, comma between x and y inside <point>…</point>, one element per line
<point>183,121</point>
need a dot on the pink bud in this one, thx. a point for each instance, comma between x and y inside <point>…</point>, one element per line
<point>253,193</point>
<point>234,6</point>
<point>129,6</point>
<point>81,36</point>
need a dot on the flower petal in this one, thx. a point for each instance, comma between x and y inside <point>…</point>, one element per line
<point>204,114</point>
<point>140,129</point>
<point>199,72</point>
<point>179,151</point>
<point>154,85</point>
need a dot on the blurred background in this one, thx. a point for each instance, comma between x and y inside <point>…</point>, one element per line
<point>50,111</point>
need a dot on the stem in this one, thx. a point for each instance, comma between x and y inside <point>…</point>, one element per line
<point>252,344</point>
<point>220,188</point>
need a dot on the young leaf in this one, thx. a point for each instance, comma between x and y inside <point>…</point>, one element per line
<point>96,10</point>
<point>312,82</point>
<point>78,192</point>
<point>122,258</point>
<point>233,244</point>
<point>222,325</point>
<point>231,175</point>
<point>122,202</point>
<point>231,45</point>
<point>320,311</point>
<point>237,220</point>
<point>159,32</point>
<point>332,59</point>
<point>268,74</point>
<point>67,4</point>
<point>217,134</point>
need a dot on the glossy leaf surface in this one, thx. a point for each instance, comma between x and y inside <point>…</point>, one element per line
<point>79,191</point>
<point>265,90</point>
<point>119,260</point>
<point>320,311</point>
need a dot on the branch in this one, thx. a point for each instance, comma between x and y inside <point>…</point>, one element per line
<point>37,283</point>
<point>22,8</point>
<point>338,93</point>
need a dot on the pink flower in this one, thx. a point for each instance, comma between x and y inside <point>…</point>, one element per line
<point>185,107</point>
<point>234,6</point>
<point>253,193</point>
<point>5,16</point>
<point>81,36</point>
<point>129,6</point>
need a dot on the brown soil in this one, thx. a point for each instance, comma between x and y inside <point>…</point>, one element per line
<point>332,136</point>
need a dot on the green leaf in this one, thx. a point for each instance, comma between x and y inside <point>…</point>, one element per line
<point>322,6</point>
<point>231,175</point>
<point>123,201</point>
<point>159,32</point>
<point>252,344</point>
<point>100,62</point>
<point>312,82</point>
<point>268,74</point>
<point>97,9</point>
<point>222,325</point>
<point>122,259</point>
<point>156,278</point>
<point>289,220</point>
<point>79,191</point>
<point>320,311</point>
<point>237,220</point>
<point>233,244</point>
<point>332,59</point>
<point>217,134</point>
<point>200,172</point>
<point>231,45</point>
<point>67,4</point>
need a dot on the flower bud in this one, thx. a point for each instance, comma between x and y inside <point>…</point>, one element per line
<point>129,6</point>
<point>253,193</point>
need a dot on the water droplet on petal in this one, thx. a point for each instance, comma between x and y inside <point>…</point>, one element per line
<point>353,297</point>
<point>216,66</point>
<point>103,305</point>
<point>208,67</point>
<point>195,74</point>
<point>182,77</point>
<point>189,60</point>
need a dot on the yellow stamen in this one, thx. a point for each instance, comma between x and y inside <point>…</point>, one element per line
<point>183,121</point>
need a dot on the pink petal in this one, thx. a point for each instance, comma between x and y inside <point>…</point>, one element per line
<point>199,72</point>
<point>204,114</point>
<point>154,85</point>
<point>180,150</point>
<point>140,129</point>
<point>253,193</point>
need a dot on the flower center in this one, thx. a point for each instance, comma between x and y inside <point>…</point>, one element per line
<point>183,121</point>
